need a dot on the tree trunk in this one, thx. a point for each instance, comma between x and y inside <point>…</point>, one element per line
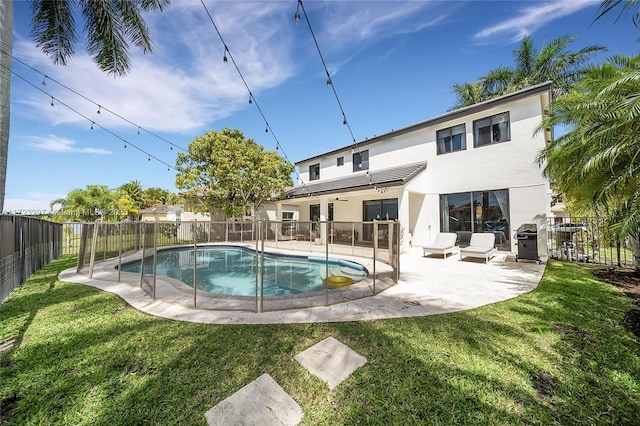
<point>635,251</point>
<point>6,48</point>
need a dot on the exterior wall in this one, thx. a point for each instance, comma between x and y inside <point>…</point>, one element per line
<point>507,165</point>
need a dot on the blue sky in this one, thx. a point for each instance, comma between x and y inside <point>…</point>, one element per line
<point>392,63</point>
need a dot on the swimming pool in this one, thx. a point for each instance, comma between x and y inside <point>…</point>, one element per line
<point>231,270</point>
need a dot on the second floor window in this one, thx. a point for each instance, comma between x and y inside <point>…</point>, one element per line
<point>314,172</point>
<point>452,139</point>
<point>361,161</point>
<point>490,130</point>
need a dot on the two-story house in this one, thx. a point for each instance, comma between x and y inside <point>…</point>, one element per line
<point>474,169</point>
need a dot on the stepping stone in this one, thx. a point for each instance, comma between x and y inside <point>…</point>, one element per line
<point>331,361</point>
<point>261,402</point>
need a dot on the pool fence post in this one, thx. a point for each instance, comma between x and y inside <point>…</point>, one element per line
<point>144,246</point>
<point>256,272</point>
<point>119,249</point>
<point>195,256</point>
<point>375,252</point>
<point>155,256</point>
<point>94,247</point>
<point>326,272</point>
<point>353,237</point>
<point>262,238</point>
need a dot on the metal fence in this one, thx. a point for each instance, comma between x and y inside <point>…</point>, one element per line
<point>337,247</point>
<point>587,240</point>
<point>26,244</point>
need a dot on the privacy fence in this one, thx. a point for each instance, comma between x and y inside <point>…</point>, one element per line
<point>253,266</point>
<point>587,240</point>
<point>26,244</point>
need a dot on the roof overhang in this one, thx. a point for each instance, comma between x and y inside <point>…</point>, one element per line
<point>395,176</point>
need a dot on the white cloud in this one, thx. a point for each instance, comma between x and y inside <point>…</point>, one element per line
<point>54,143</point>
<point>529,19</point>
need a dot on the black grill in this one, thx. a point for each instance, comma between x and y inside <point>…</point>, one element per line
<point>527,236</point>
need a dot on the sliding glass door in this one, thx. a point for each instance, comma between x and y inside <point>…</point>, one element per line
<point>482,211</point>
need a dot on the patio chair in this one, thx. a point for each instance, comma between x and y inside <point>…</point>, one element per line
<point>444,243</point>
<point>482,246</point>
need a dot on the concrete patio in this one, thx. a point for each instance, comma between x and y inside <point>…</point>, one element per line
<point>427,286</point>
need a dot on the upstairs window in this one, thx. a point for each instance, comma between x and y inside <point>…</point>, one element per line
<point>314,172</point>
<point>340,161</point>
<point>361,161</point>
<point>452,139</point>
<point>490,130</point>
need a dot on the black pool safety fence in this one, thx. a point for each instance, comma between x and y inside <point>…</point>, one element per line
<point>26,245</point>
<point>588,240</point>
<point>292,264</point>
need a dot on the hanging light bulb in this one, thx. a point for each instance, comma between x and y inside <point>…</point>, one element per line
<point>138,130</point>
<point>224,58</point>
<point>92,123</point>
<point>266,129</point>
<point>250,98</point>
<point>125,146</point>
<point>297,15</point>
<point>344,121</point>
<point>99,109</point>
<point>52,101</point>
<point>44,81</point>
<point>329,81</point>
<point>148,158</point>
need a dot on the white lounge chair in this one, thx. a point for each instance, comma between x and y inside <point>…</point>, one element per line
<point>444,243</point>
<point>482,246</point>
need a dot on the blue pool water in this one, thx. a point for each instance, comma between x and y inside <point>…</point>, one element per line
<point>231,270</point>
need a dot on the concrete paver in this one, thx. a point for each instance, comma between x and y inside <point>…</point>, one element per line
<point>331,361</point>
<point>261,402</point>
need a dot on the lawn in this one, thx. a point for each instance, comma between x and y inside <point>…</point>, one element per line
<point>558,355</point>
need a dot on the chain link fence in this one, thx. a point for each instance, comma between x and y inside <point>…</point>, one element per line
<point>239,265</point>
<point>26,244</point>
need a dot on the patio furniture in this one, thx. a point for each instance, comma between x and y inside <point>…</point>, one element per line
<point>444,243</point>
<point>482,246</point>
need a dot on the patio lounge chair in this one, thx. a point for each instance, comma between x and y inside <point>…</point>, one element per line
<point>444,243</point>
<point>482,246</point>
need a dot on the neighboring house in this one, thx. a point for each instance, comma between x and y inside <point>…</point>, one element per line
<point>470,170</point>
<point>162,213</point>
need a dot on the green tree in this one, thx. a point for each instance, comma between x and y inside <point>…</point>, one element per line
<point>110,25</point>
<point>89,204</point>
<point>553,62</point>
<point>596,163</point>
<point>154,196</point>
<point>133,190</point>
<point>226,171</point>
<point>627,6</point>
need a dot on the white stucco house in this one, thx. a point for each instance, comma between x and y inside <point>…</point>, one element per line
<point>470,170</point>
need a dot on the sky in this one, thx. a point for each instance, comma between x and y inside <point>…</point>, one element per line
<point>392,64</point>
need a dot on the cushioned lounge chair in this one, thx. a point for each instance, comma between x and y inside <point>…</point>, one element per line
<point>444,243</point>
<point>482,246</point>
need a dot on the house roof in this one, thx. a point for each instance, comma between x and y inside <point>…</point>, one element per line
<point>394,176</point>
<point>162,208</point>
<point>452,115</point>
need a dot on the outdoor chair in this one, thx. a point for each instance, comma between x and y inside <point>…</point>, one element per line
<point>482,246</point>
<point>444,243</point>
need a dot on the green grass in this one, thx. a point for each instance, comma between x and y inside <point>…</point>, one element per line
<point>558,355</point>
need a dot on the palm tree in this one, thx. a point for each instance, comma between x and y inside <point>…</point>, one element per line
<point>86,204</point>
<point>553,62</point>
<point>110,25</point>
<point>597,162</point>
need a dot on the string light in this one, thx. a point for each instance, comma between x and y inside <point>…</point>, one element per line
<point>224,59</point>
<point>252,99</point>
<point>44,81</point>
<point>93,123</point>
<point>330,82</point>
<point>46,77</point>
